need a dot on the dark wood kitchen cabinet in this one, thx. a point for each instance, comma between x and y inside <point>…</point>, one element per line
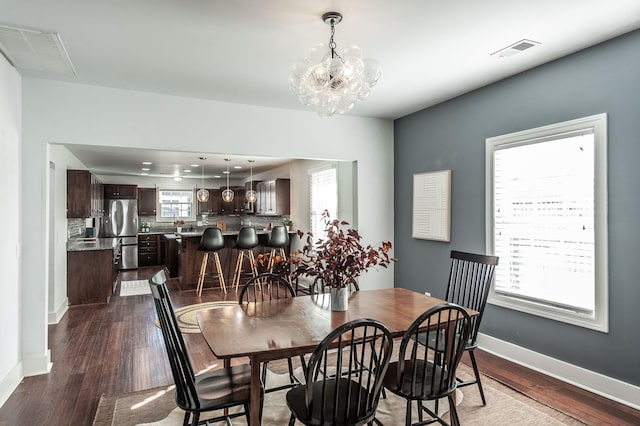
<point>213,204</point>
<point>146,201</point>
<point>148,250</point>
<point>90,276</point>
<point>120,192</point>
<point>84,195</point>
<point>236,206</point>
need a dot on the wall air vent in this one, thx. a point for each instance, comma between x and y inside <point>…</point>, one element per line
<point>515,48</point>
<point>31,50</point>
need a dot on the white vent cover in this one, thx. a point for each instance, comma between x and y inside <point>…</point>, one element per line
<point>32,50</point>
<point>515,48</point>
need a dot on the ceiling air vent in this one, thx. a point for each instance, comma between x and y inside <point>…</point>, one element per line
<point>32,50</point>
<point>515,48</point>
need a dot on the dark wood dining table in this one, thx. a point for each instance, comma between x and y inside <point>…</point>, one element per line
<point>284,328</point>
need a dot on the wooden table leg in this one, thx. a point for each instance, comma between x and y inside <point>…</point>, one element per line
<point>254,398</point>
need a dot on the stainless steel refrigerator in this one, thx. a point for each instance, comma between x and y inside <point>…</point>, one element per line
<point>121,220</point>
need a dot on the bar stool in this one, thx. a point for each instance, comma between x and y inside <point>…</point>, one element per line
<point>245,243</point>
<point>279,243</point>
<point>211,241</point>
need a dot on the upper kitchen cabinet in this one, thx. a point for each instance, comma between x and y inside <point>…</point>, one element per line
<point>213,204</point>
<point>84,195</point>
<point>120,192</point>
<point>146,201</point>
<point>273,197</point>
<point>236,206</point>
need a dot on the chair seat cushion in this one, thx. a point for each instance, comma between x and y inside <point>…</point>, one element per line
<point>223,387</point>
<point>424,387</point>
<point>323,414</point>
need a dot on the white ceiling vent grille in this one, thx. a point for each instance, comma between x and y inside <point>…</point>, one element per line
<point>32,50</point>
<point>515,48</point>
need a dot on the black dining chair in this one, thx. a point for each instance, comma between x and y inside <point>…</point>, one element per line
<point>197,393</point>
<point>469,284</point>
<point>263,288</point>
<point>350,396</point>
<point>428,373</point>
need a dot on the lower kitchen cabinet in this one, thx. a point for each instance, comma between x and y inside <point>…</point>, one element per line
<point>148,250</point>
<point>90,276</point>
<point>170,252</point>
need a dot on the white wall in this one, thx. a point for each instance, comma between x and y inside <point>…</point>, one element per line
<point>63,113</point>
<point>10,137</point>
<point>61,160</point>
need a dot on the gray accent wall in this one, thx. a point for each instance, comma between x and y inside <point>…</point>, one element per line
<point>602,79</point>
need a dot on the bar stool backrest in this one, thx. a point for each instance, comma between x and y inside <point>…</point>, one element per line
<point>247,238</point>
<point>212,240</point>
<point>279,237</point>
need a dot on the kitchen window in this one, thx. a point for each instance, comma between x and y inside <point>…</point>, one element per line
<point>323,189</point>
<point>175,204</point>
<point>547,221</point>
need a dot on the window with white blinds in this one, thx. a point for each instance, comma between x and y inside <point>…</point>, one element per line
<point>547,213</point>
<point>323,188</point>
<point>175,204</point>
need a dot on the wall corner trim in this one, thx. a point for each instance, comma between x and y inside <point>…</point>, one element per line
<point>608,387</point>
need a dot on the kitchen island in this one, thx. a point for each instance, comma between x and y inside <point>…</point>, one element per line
<point>190,259</point>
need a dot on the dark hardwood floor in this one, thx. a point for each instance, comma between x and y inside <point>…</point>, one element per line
<point>115,348</point>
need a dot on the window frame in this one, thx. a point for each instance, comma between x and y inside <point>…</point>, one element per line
<point>329,166</point>
<point>160,218</point>
<point>599,320</point>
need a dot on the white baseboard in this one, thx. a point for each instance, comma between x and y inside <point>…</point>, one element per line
<point>37,365</point>
<point>56,316</point>
<point>10,382</point>
<point>614,389</point>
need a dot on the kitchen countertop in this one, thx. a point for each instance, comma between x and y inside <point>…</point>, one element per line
<point>81,244</point>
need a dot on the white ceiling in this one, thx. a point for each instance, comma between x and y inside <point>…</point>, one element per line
<point>241,50</point>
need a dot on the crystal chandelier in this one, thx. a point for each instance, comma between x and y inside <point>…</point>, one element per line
<point>227,194</point>
<point>202,195</point>
<point>333,83</point>
<point>251,195</point>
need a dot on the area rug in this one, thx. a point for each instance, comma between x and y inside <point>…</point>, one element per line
<point>504,407</point>
<point>186,315</point>
<point>134,288</point>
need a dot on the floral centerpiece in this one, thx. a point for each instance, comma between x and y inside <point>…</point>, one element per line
<point>338,258</point>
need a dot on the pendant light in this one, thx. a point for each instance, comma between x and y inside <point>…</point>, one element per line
<point>227,194</point>
<point>251,195</point>
<point>202,195</point>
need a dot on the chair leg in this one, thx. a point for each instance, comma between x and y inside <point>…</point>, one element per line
<point>292,379</point>
<point>236,273</point>
<point>292,420</point>
<point>203,271</point>
<point>407,420</point>
<point>216,259</point>
<point>253,264</point>
<point>455,421</point>
<point>477,374</point>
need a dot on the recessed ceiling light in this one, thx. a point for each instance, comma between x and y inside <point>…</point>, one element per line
<point>187,170</point>
<point>147,163</point>
<point>177,178</point>
<point>237,167</point>
<point>225,172</point>
<point>195,165</point>
<point>144,174</point>
<point>217,176</point>
<point>146,169</point>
